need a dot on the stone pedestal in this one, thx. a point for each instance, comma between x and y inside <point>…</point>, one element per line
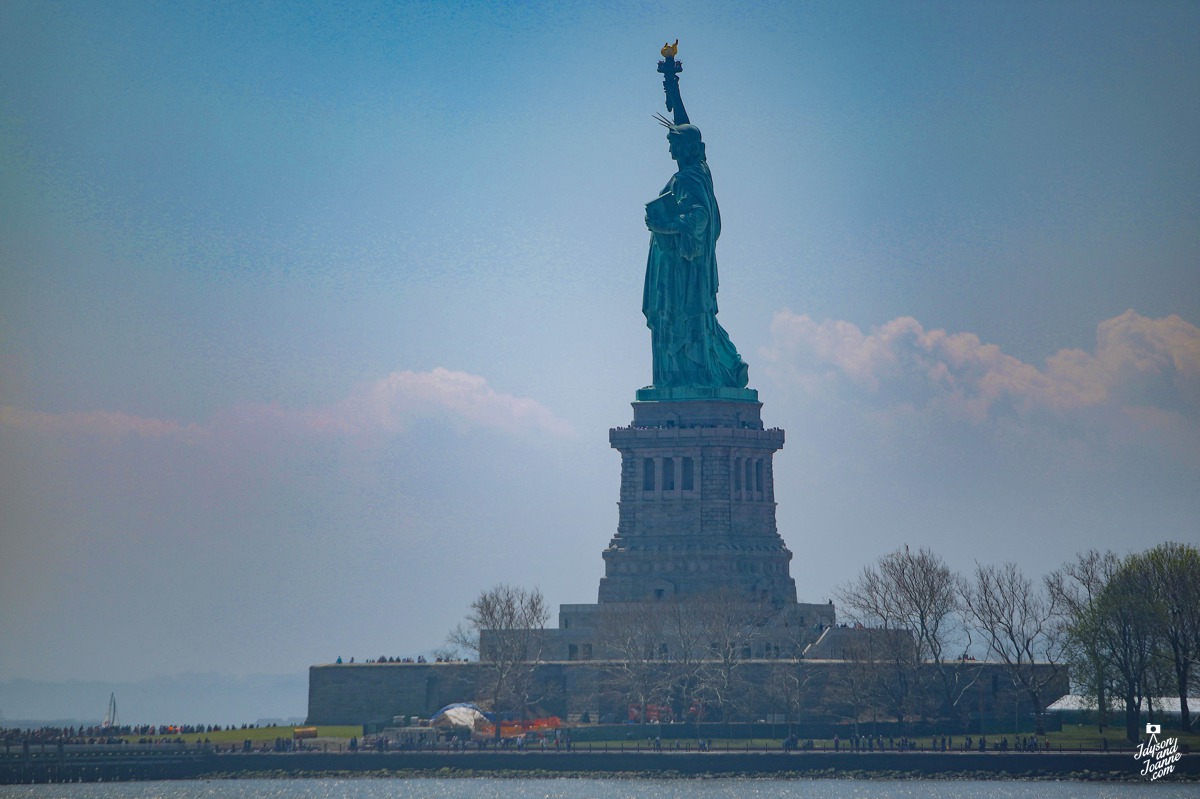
<point>697,507</point>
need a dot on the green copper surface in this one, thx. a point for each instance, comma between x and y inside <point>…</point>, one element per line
<point>655,394</point>
<point>693,356</point>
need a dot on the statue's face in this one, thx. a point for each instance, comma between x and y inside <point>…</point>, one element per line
<point>678,148</point>
<point>684,144</point>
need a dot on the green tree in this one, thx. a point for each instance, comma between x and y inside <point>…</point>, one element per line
<point>1133,626</point>
<point>1172,573</point>
<point>1075,587</point>
<point>1121,625</point>
<point>1125,623</point>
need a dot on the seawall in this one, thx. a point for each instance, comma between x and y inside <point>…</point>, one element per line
<point>108,767</point>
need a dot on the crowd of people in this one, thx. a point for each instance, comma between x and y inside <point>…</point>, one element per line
<point>99,734</point>
<point>944,743</point>
<point>417,659</point>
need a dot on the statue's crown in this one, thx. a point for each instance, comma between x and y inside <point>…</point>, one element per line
<point>685,129</point>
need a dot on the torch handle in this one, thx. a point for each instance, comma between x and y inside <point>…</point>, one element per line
<point>670,69</point>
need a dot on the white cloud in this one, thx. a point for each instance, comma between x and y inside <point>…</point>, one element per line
<point>1148,369</point>
<point>390,405</point>
<point>386,407</point>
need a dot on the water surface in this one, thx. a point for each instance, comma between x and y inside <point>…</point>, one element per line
<point>583,788</point>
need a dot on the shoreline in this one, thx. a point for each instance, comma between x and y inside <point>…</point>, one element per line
<point>107,767</point>
<point>671,774</point>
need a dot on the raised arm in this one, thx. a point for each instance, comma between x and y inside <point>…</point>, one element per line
<point>670,69</point>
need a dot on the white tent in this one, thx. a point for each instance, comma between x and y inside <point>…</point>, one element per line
<point>462,714</point>
<point>1166,705</point>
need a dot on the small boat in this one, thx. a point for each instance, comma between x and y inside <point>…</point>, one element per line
<point>110,718</point>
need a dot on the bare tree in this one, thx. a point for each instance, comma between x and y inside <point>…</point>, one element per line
<point>687,652</point>
<point>505,628</point>
<point>731,627</point>
<point>682,652</point>
<point>1020,625</point>
<point>789,687</point>
<point>856,684</point>
<point>630,636</point>
<point>916,592</point>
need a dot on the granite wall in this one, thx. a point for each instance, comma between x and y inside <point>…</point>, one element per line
<point>375,693</point>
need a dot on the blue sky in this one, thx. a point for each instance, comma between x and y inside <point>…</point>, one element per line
<point>314,317</point>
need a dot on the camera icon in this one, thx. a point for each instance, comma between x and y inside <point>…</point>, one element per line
<point>1153,729</point>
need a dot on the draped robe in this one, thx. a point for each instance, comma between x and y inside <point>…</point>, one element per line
<point>679,299</point>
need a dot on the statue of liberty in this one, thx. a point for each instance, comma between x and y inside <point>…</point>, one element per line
<point>691,350</point>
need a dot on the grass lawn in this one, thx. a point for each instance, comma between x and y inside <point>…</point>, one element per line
<point>1072,737</point>
<point>1087,736</point>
